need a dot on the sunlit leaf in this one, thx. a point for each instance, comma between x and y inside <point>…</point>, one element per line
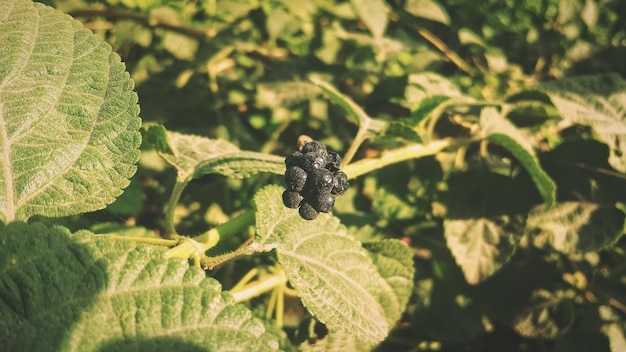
<point>550,315</point>
<point>480,246</point>
<point>195,156</point>
<point>394,261</point>
<point>334,276</point>
<point>595,101</point>
<point>428,9</point>
<point>496,128</point>
<point>373,13</point>
<point>281,94</point>
<point>69,126</point>
<point>575,227</point>
<point>81,292</point>
<point>336,341</point>
<point>342,100</point>
<point>428,84</point>
<point>484,221</point>
<point>613,327</point>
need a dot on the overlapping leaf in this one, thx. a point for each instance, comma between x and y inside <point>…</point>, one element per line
<point>484,220</point>
<point>577,227</point>
<point>69,126</point>
<point>373,14</point>
<point>596,101</point>
<point>195,156</point>
<point>501,131</point>
<point>550,315</point>
<point>480,246</point>
<point>394,261</point>
<point>333,274</point>
<point>84,292</point>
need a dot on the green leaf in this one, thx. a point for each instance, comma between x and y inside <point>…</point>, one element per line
<point>336,341</point>
<point>427,9</point>
<point>81,292</point>
<point>275,95</point>
<point>363,119</point>
<point>156,136</point>
<point>373,14</point>
<point>334,276</point>
<point>409,128</point>
<point>575,227</point>
<point>427,84</point>
<point>551,314</point>
<point>69,126</point>
<point>496,128</point>
<point>484,221</point>
<point>195,156</point>
<point>394,261</point>
<point>596,101</point>
<point>480,246</point>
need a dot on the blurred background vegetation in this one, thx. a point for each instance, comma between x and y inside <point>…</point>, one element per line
<point>239,70</point>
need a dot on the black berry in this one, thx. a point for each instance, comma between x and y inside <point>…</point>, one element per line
<point>295,178</point>
<point>334,162</point>
<point>312,161</point>
<point>315,147</point>
<point>324,202</point>
<point>313,179</point>
<point>321,180</point>
<point>340,183</point>
<point>294,159</point>
<point>292,199</point>
<point>307,212</point>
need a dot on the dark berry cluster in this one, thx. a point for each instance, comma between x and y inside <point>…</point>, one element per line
<point>313,179</point>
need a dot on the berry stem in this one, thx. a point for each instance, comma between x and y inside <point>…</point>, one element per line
<point>195,247</point>
<point>397,155</point>
<point>171,205</point>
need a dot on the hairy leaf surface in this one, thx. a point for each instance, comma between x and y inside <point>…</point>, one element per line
<point>333,274</point>
<point>575,227</point>
<point>195,156</point>
<point>336,341</point>
<point>82,292</point>
<point>69,126</point>
<point>480,246</point>
<point>394,261</point>
<point>596,101</point>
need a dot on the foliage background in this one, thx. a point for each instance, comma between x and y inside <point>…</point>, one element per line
<point>240,70</point>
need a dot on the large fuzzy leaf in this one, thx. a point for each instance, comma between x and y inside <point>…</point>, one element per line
<point>69,126</point>
<point>333,274</point>
<point>83,292</point>
<point>596,101</point>
<point>195,156</point>
<point>394,261</point>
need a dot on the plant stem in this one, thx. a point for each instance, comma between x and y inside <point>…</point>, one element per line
<point>153,241</point>
<point>397,155</point>
<point>170,207</point>
<point>358,139</point>
<point>257,288</point>
<point>209,263</point>
<point>195,247</point>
